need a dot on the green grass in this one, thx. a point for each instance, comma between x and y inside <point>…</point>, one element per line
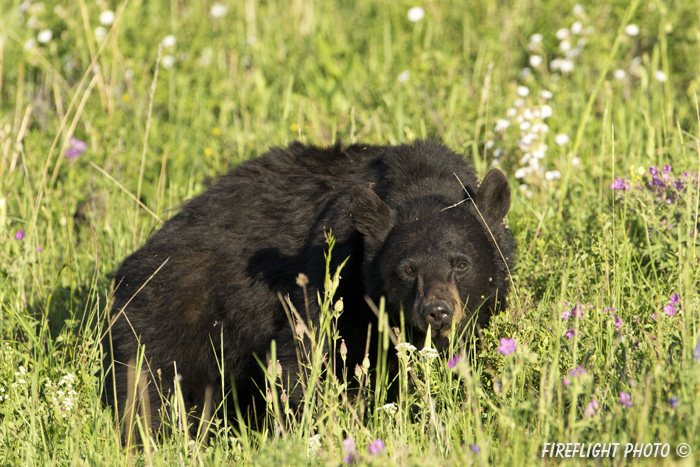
<point>272,72</point>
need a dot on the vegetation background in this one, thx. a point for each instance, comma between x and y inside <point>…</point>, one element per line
<point>112,113</point>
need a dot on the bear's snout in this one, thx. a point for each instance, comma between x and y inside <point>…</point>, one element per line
<point>438,314</point>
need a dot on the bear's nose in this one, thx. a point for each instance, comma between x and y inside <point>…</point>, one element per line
<point>437,314</point>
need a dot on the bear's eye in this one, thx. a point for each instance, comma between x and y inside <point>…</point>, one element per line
<point>461,265</point>
<point>409,271</point>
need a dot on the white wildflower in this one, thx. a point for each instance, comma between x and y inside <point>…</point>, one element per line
<point>389,408</point>
<point>168,61</point>
<point>535,60</point>
<point>632,30</point>
<point>405,347</point>
<point>546,95</point>
<point>100,33</point>
<point>314,445</point>
<point>404,76</point>
<point>523,91</point>
<point>619,74</point>
<point>107,18</point>
<point>566,66</point>
<point>521,173</point>
<point>565,46</point>
<point>218,10</point>
<point>428,353</point>
<point>575,162</point>
<point>44,36</point>
<point>660,76</point>
<point>561,139</point>
<point>546,110</point>
<point>536,39</point>
<point>416,14</point>
<point>577,28</point>
<point>552,175</point>
<point>501,124</point>
<point>30,44</point>
<point>578,10</point>
<point>562,34</point>
<point>168,41</point>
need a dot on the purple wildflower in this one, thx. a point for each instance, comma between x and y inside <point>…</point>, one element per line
<point>507,346</point>
<point>566,381</point>
<point>625,399</point>
<point>566,314</point>
<point>674,402</point>
<point>19,235</point>
<point>570,333</point>
<point>620,184</point>
<point>667,168</point>
<point>670,310</point>
<point>674,299</point>
<point>376,446</point>
<point>696,352</point>
<point>618,323</point>
<point>39,249</point>
<point>453,362</point>
<point>579,370</point>
<point>578,311</point>
<point>351,456</point>
<point>475,448</point>
<point>77,147</point>
<point>652,170</point>
<point>591,409</point>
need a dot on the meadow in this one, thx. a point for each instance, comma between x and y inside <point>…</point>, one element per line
<point>113,113</point>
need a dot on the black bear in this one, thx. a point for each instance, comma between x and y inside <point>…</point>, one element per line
<point>413,222</point>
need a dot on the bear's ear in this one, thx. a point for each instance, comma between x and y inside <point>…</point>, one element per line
<point>372,217</point>
<point>493,197</point>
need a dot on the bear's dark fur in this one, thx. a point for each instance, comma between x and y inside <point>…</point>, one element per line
<point>406,217</point>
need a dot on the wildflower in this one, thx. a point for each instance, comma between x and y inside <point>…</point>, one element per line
<point>389,408</point>
<point>674,299</point>
<point>620,184</point>
<point>314,445</point>
<point>343,350</point>
<point>618,323</point>
<point>168,41</point>
<point>696,352</point>
<point>566,314</point>
<point>562,34</point>
<point>566,381</point>
<point>19,235</point>
<point>566,66</point>
<point>578,10</point>
<point>428,353</point>
<point>535,40</point>
<point>218,10</point>
<point>632,30</point>
<point>416,14</point>
<point>674,402</point>
<point>561,139</point>
<point>507,346</point>
<point>501,124</point>
<point>107,18</point>
<point>403,76</point>
<point>39,249</point>
<point>168,61</point>
<point>535,60</point>
<point>453,362</point>
<point>625,399</point>
<point>660,76</point>
<point>475,448</point>
<point>523,91</point>
<point>44,36</point>
<point>100,33</point>
<point>570,333</point>
<point>351,453</point>
<point>405,347</point>
<point>546,111</point>
<point>591,409</point>
<point>577,28</point>
<point>619,74</point>
<point>376,446</point>
<point>77,148</point>
<point>670,310</point>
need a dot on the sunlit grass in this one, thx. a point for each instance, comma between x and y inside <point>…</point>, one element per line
<point>112,115</point>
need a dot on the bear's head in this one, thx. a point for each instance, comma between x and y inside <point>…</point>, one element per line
<point>438,262</point>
